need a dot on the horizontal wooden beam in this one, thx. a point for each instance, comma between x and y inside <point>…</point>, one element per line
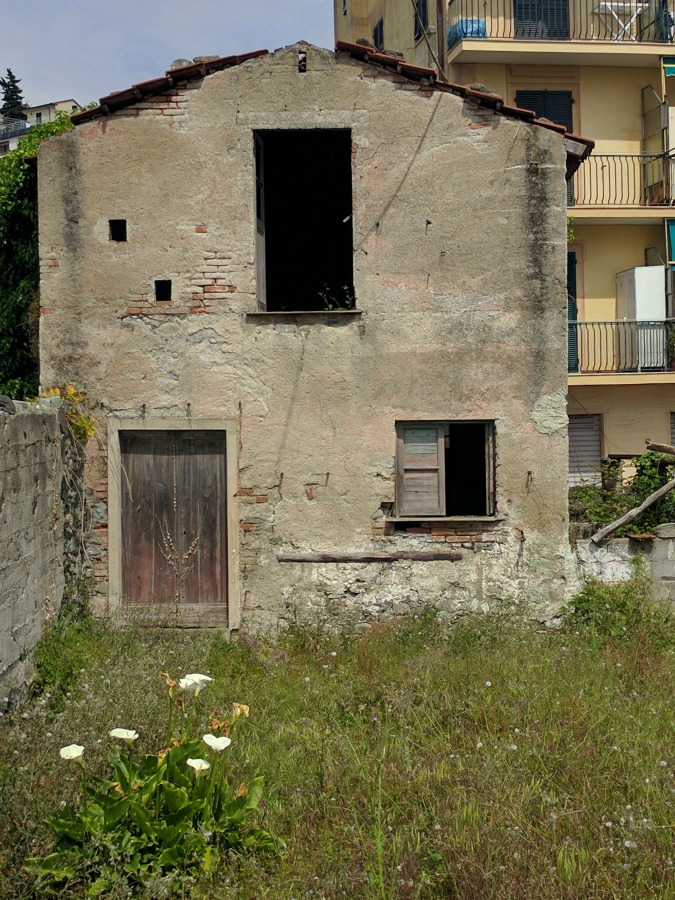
<point>417,555</point>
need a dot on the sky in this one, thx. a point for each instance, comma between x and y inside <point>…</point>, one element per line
<point>85,49</point>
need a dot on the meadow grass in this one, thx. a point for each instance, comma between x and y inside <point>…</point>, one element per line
<point>487,759</point>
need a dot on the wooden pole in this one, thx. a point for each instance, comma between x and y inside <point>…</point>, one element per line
<point>421,555</point>
<point>633,513</point>
<point>661,448</point>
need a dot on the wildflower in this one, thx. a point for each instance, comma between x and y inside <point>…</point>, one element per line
<point>199,765</point>
<point>216,743</point>
<point>194,682</point>
<point>630,845</point>
<point>512,747</point>
<point>124,734</point>
<point>72,751</point>
<point>663,763</point>
<point>479,745</point>
<point>170,683</point>
<point>488,684</point>
<point>240,709</point>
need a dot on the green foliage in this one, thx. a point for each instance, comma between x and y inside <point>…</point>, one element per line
<point>19,263</point>
<point>82,423</point>
<point>12,97</point>
<point>591,503</point>
<point>58,658</point>
<point>610,610</point>
<point>166,815</point>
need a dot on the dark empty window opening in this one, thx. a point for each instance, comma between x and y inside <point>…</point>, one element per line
<point>117,229</point>
<point>378,35</point>
<point>304,244</point>
<point>444,469</point>
<point>302,60</point>
<point>163,291</point>
<point>421,18</point>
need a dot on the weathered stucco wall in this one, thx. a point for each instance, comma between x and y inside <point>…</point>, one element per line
<point>36,454</point>
<point>459,274</point>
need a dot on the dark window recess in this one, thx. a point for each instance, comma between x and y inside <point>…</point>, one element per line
<point>445,469</point>
<point>378,35</point>
<point>117,230</point>
<point>302,60</point>
<point>304,244</point>
<point>421,18</point>
<point>163,291</point>
<point>543,20</point>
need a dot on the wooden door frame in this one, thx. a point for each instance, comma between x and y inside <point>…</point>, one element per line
<point>210,615</point>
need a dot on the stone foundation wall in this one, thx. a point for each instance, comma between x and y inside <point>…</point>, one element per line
<point>40,522</point>
<point>614,560</point>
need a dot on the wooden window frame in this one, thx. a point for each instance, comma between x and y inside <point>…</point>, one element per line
<point>402,510</point>
<point>115,475</point>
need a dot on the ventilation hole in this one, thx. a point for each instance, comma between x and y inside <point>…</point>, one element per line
<point>302,60</point>
<point>117,230</point>
<point>163,291</point>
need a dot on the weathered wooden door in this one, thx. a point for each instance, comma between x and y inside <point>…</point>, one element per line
<point>174,518</point>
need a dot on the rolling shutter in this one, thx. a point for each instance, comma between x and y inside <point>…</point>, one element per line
<point>584,452</point>
<point>420,470</point>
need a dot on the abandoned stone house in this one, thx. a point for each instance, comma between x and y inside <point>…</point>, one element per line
<point>319,303</point>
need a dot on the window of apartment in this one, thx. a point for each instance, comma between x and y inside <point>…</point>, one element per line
<point>378,36</point>
<point>445,469</point>
<point>38,118</point>
<point>4,147</point>
<point>421,18</point>
<point>304,244</point>
<point>585,454</point>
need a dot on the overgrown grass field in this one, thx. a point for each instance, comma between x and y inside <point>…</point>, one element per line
<point>490,759</point>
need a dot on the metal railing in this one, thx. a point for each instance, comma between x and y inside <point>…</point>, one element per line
<point>561,20</point>
<point>627,346</point>
<point>625,179</point>
<point>12,126</point>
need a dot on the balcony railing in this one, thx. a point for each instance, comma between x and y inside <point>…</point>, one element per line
<point>562,20</point>
<point>628,346</point>
<point>625,179</point>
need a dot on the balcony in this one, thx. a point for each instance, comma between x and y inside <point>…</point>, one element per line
<point>626,347</point>
<point>625,180</point>
<point>614,21</point>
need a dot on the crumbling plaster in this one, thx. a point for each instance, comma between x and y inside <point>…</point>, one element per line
<point>459,273</point>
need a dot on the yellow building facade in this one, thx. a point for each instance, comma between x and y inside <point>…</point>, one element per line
<point>606,71</point>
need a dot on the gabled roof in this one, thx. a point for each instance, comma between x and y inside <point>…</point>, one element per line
<point>578,148</point>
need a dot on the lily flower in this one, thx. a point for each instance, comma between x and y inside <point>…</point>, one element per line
<point>216,743</point>
<point>240,709</point>
<point>199,765</point>
<point>72,751</point>
<point>124,734</point>
<point>194,682</point>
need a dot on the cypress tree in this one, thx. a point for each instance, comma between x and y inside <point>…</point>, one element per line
<point>12,97</point>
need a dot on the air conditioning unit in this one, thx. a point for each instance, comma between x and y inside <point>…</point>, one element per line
<point>641,304</point>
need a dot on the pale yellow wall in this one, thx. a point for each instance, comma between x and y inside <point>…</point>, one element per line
<point>610,106</point>
<point>398,15</point>
<point>604,251</point>
<point>630,414</point>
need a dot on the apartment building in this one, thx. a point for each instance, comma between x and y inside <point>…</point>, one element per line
<point>605,70</point>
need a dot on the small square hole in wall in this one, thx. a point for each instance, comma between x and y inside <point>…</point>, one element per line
<point>117,230</point>
<point>163,291</point>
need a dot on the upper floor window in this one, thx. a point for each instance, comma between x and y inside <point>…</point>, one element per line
<point>38,118</point>
<point>421,18</point>
<point>378,35</point>
<point>304,245</point>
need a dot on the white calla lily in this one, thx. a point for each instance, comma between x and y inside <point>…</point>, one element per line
<point>124,734</point>
<point>199,765</point>
<point>216,743</point>
<point>194,682</point>
<point>72,751</point>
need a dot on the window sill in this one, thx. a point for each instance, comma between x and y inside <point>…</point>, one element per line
<point>310,313</point>
<point>449,520</point>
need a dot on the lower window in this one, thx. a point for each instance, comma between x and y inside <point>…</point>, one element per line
<point>445,469</point>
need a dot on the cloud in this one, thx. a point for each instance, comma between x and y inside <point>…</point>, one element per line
<point>85,49</point>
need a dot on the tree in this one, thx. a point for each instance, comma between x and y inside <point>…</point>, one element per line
<point>19,262</point>
<point>12,97</point>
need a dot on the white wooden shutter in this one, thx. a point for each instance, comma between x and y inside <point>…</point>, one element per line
<point>585,452</point>
<point>420,458</point>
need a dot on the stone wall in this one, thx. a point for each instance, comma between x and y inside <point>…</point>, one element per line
<point>614,560</point>
<point>39,551</point>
